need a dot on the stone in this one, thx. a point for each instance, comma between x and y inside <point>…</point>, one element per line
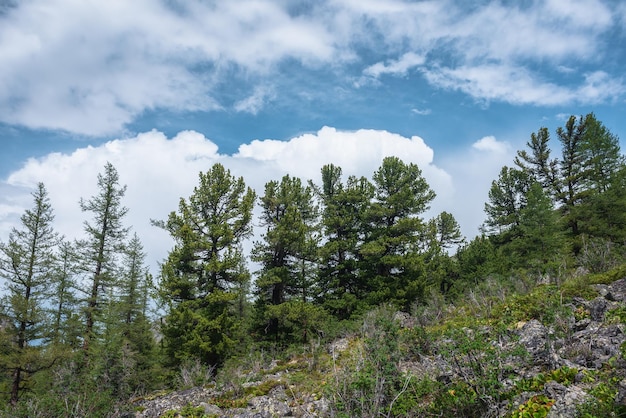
<point>533,337</point>
<point>617,291</point>
<point>597,308</point>
<point>566,399</point>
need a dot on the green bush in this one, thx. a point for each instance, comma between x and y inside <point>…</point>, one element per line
<point>536,407</point>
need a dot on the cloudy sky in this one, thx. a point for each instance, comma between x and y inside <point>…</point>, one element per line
<point>163,89</point>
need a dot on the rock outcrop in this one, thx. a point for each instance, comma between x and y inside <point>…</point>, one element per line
<point>587,340</point>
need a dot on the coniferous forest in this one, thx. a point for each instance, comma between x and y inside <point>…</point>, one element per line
<point>85,328</point>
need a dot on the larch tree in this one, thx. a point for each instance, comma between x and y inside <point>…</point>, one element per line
<point>27,264</point>
<point>100,250</point>
<point>202,278</point>
<point>589,162</point>
<point>62,299</point>
<point>507,196</point>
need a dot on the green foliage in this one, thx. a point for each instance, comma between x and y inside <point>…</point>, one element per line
<point>542,303</point>
<point>341,287</point>
<point>26,264</point>
<point>602,402</point>
<point>479,365</point>
<point>297,321</point>
<point>287,253</point>
<point>98,252</point>
<point>564,375</point>
<point>392,261</point>
<point>608,277</point>
<point>536,407</point>
<point>585,182</point>
<point>188,411</point>
<point>371,384</point>
<point>204,276</point>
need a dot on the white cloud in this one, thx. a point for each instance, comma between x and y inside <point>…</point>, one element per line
<point>517,85</point>
<point>422,112</point>
<point>93,67</point>
<point>599,87</point>
<point>159,171</point>
<point>472,172</point>
<point>395,67</point>
<point>491,144</point>
<point>254,103</point>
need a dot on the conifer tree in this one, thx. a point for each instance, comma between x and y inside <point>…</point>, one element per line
<point>27,264</point>
<point>202,278</point>
<point>288,252</point>
<point>590,159</point>
<point>341,287</point>
<point>99,252</point>
<point>540,238</point>
<point>62,299</point>
<point>507,196</point>
<point>391,255</point>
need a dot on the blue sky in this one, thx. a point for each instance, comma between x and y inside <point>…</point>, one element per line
<point>164,89</point>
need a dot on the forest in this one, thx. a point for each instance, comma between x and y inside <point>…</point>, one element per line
<point>84,326</point>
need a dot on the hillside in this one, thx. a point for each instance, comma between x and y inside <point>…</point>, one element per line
<point>555,351</point>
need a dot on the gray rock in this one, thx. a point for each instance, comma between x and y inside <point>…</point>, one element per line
<point>534,338</point>
<point>566,399</point>
<point>617,291</point>
<point>338,346</point>
<point>597,308</point>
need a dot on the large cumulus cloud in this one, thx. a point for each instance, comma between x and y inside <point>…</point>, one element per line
<point>158,171</point>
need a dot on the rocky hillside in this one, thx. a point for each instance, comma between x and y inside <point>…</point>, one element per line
<point>556,351</point>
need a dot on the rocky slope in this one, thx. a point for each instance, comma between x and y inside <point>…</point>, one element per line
<point>562,365</point>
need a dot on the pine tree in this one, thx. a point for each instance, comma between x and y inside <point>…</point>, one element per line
<point>442,233</point>
<point>27,265</point>
<point>540,241</point>
<point>341,288</point>
<point>507,196</point>
<point>99,252</point>
<point>288,251</point>
<point>62,299</point>
<point>391,256</point>
<point>204,274</point>
<point>590,159</point>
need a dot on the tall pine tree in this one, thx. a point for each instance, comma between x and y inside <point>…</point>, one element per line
<point>288,252</point>
<point>100,250</point>
<point>202,278</point>
<point>342,289</point>
<point>391,254</point>
<point>27,265</point>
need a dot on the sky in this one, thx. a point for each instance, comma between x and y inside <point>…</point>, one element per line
<point>164,89</point>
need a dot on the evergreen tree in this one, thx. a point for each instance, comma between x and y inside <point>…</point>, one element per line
<point>507,196</point>
<point>63,304</point>
<point>288,252</point>
<point>100,250</point>
<point>131,347</point>
<point>540,238</point>
<point>391,256</point>
<point>442,233</point>
<point>204,274</point>
<point>477,260</point>
<point>590,159</point>
<point>27,265</point>
<point>341,288</point>
<point>445,231</point>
